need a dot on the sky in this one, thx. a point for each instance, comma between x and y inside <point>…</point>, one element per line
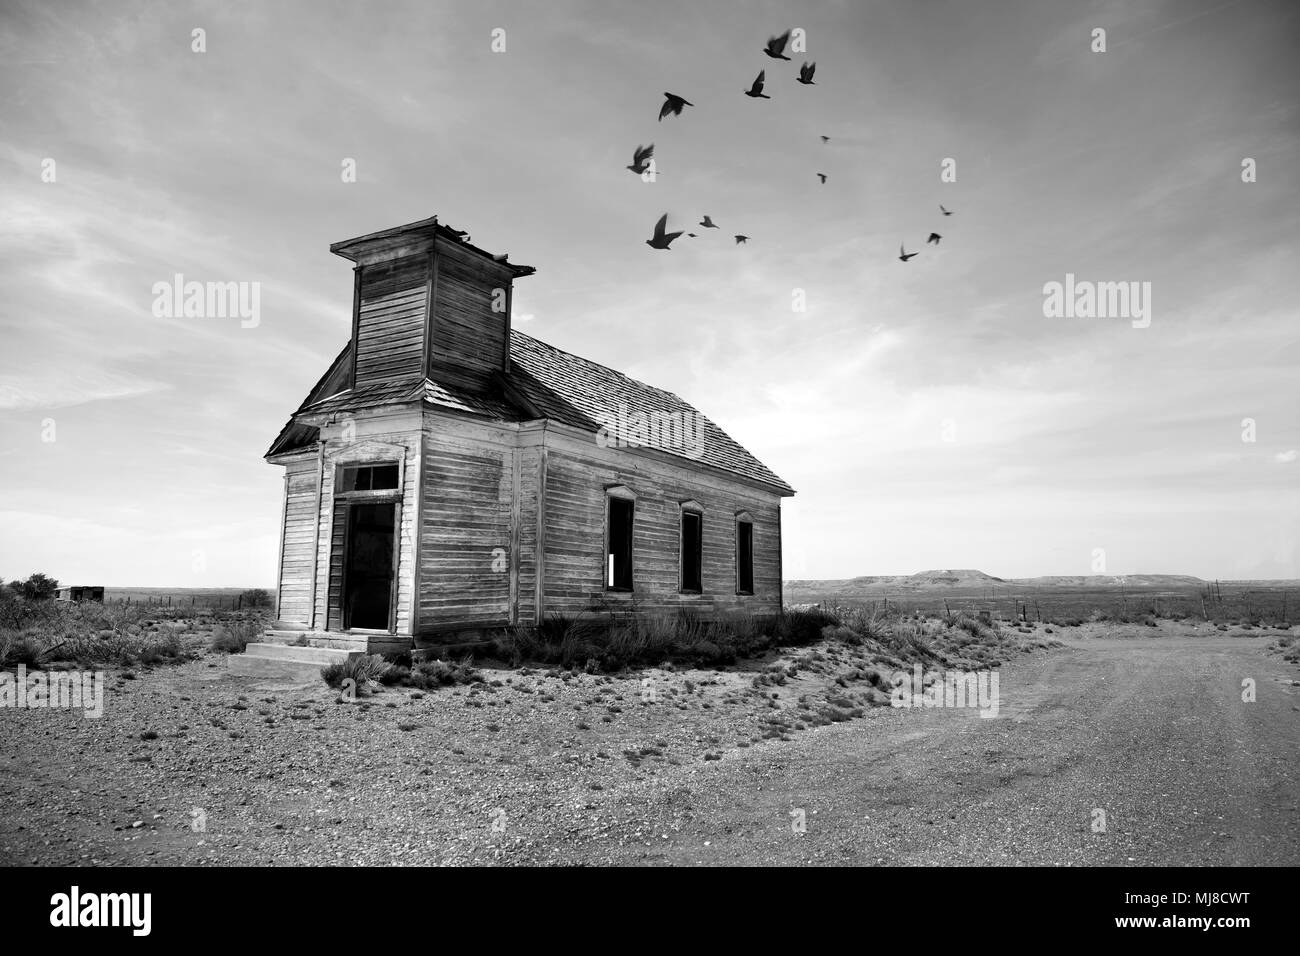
<point>929,413</point>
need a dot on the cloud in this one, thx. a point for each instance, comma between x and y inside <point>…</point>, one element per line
<point>58,388</point>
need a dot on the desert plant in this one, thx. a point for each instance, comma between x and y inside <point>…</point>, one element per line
<point>425,675</point>
<point>19,649</point>
<point>364,671</point>
<point>255,598</point>
<point>37,587</point>
<point>233,637</point>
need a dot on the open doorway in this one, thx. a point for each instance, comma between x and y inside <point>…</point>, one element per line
<point>369,566</point>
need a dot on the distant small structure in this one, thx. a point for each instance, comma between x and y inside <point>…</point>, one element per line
<point>79,594</point>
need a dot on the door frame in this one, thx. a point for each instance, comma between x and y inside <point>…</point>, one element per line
<point>347,501</point>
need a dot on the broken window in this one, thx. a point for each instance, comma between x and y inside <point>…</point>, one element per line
<point>692,551</point>
<point>618,552</point>
<point>745,557</point>
<point>369,478</point>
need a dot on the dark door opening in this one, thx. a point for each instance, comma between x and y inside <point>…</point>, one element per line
<point>369,568</point>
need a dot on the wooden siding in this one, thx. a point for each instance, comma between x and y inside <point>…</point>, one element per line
<point>338,542</point>
<point>469,339</point>
<point>391,319</point>
<point>296,564</point>
<point>467,515</point>
<point>576,479</point>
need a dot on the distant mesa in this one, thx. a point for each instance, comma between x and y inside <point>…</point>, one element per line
<point>970,578</point>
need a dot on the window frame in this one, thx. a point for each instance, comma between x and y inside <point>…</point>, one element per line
<point>744,518</point>
<point>627,496</point>
<point>695,510</point>
<point>341,473</point>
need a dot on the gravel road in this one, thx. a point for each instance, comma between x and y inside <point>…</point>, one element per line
<point>1145,725</point>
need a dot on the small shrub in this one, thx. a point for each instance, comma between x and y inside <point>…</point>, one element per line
<point>426,675</point>
<point>255,598</point>
<point>233,637</point>
<point>17,650</point>
<point>364,671</point>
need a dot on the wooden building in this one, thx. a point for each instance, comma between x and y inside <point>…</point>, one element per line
<point>449,475</point>
<point>79,593</point>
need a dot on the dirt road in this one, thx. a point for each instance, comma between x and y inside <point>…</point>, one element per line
<point>1144,725</point>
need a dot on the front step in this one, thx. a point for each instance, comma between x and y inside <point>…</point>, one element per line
<point>332,639</point>
<point>287,661</point>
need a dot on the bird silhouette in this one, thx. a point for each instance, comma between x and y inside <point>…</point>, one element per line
<point>944,211</point>
<point>902,254</point>
<point>756,90</point>
<point>806,75</point>
<point>826,139</point>
<point>708,223</point>
<point>822,177</point>
<point>934,237</point>
<point>691,235</point>
<point>640,158</point>
<point>673,104</point>
<point>740,239</point>
<point>661,239</point>
<point>776,46</point>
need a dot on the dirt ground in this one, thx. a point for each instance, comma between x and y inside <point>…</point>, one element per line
<point>1144,725</point>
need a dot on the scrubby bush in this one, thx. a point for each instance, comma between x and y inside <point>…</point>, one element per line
<point>234,636</point>
<point>93,633</point>
<point>426,675</point>
<point>17,612</point>
<point>617,641</point>
<point>255,598</point>
<point>799,628</point>
<point>37,587</point>
<point>18,649</point>
<point>364,671</point>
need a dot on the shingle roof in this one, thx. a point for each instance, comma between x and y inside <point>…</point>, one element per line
<point>587,395</point>
<point>564,388</point>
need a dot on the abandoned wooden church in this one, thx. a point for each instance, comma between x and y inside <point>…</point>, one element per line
<point>449,475</point>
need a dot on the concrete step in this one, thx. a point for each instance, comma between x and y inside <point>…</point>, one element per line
<point>284,661</point>
<point>331,639</point>
<point>320,655</point>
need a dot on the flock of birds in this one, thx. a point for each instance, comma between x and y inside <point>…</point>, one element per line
<point>674,104</point>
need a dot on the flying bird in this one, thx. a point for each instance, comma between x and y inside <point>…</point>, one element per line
<point>904,255</point>
<point>740,239</point>
<point>806,75</point>
<point>641,157</point>
<point>673,104</point>
<point>944,211</point>
<point>661,239</point>
<point>708,223</point>
<point>826,139</point>
<point>691,235</point>
<point>822,177</point>
<point>756,90</point>
<point>934,237</point>
<point>776,46</point>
